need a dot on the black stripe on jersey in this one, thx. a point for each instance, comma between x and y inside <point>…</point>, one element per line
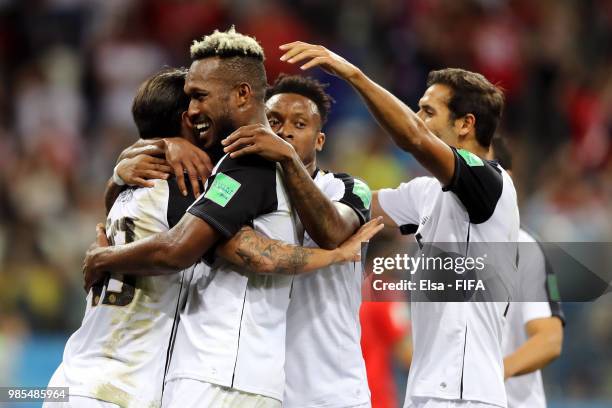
<point>408,229</point>
<point>478,187</point>
<point>552,291</point>
<point>351,199</point>
<point>177,203</point>
<point>172,339</point>
<point>550,284</point>
<point>463,363</point>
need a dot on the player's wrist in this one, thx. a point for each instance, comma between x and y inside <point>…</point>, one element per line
<point>117,178</point>
<point>289,158</point>
<point>338,255</point>
<point>355,75</point>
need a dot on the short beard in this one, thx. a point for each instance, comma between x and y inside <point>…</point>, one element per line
<point>225,127</point>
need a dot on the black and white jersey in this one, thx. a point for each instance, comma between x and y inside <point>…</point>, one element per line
<point>457,346</point>
<point>325,366</point>
<point>118,355</point>
<point>232,330</point>
<point>535,283</point>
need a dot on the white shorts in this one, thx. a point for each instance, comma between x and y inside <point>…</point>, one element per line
<point>188,393</point>
<point>419,402</point>
<point>75,401</point>
<point>80,402</point>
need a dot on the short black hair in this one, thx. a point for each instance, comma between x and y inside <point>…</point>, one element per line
<point>501,152</point>
<point>307,87</point>
<point>159,104</point>
<point>242,56</point>
<point>472,93</point>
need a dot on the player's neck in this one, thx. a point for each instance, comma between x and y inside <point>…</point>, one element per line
<point>258,117</point>
<point>311,167</point>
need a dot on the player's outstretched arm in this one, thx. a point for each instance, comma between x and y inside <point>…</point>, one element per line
<point>328,223</point>
<point>163,253</point>
<point>543,346</point>
<point>250,249</point>
<point>405,127</point>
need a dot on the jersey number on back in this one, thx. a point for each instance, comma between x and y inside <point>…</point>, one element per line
<point>120,289</point>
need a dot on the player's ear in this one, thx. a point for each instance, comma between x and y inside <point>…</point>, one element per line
<point>467,125</point>
<point>186,125</point>
<point>243,94</point>
<point>320,141</point>
<point>186,120</point>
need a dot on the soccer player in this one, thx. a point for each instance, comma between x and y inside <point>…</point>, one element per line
<point>533,334</point>
<point>230,344</point>
<point>457,358</point>
<point>324,364</point>
<point>118,355</point>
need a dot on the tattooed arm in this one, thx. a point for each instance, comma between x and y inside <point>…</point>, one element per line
<point>328,223</point>
<point>250,249</point>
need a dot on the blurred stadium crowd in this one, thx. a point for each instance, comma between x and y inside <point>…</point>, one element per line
<point>69,70</point>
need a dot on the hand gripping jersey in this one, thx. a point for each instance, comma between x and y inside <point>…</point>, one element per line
<point>324,365</point>
<point>527,391</point>
<point>232,330</point>
<point>119,353</point>
<point>457,345</point>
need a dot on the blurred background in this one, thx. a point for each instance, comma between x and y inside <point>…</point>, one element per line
<point>69,70</point>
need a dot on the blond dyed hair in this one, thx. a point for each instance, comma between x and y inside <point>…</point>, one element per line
<point>226,44</point>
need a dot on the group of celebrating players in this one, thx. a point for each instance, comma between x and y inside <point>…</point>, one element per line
<point>249,296</point>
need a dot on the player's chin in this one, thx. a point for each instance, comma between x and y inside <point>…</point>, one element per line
<point>207,139</point>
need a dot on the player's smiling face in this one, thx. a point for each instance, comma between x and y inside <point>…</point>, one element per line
<point>296,119</point>
<point>433,110</point>
<point>209,113</point>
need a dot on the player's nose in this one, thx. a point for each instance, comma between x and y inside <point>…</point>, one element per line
<point>280,131</point>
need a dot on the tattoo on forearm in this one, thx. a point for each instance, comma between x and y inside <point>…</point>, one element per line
<point>257,253</point>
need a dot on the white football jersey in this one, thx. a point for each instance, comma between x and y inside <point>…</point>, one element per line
<point>232,330</point>
<point>325,366</point>
<point>457,345</point>
<point>527,391</point>
<point>119,353</point>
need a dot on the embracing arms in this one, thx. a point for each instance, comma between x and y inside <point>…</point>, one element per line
<point>328,223</point>
<point>158,159</point>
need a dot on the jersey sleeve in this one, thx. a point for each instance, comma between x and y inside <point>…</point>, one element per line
<point>402,204</point>
<point>356,194</point>
<point>537,283</point>
<point>477,183</point>
<point>239,191</point>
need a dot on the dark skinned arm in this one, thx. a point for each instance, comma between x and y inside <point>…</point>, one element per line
<point>159,254</point>
<point>140,171</point>
<point>151,147</point>
<point>328,223</point>
<point>405,127</point>
<point>184,159</point>
<point>251,250</point>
